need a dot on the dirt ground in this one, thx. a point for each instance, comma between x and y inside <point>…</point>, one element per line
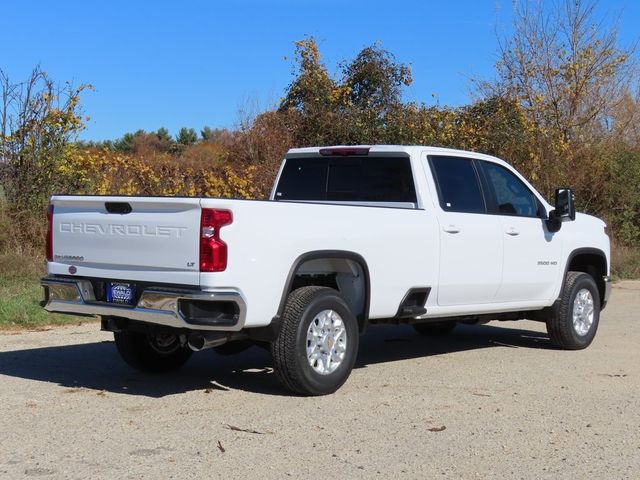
<point>490,401</point>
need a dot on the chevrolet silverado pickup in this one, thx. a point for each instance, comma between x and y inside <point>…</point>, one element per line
<point>351,236</point>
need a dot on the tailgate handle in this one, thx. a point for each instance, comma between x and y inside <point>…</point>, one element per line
<point>118,207</point>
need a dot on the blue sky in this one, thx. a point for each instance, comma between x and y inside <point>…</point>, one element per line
<point>196,63</point>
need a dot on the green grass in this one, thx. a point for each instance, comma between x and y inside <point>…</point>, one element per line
<point>20,294</point>
<point>21,267</point>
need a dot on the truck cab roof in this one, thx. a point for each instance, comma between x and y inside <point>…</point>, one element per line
<point>388,150</point>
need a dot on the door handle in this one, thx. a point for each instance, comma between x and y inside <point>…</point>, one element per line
<point>451,229</point>
<point>512,231</point>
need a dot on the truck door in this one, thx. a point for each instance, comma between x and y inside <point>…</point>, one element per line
<point>531,252</point>
<point>470,239</point>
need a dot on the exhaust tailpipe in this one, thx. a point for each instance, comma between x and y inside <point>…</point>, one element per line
<point>199,341</point>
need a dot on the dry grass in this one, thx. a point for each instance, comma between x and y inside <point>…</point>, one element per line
<point>625,262</point>
<point>20,294</point>
<point>21,266</point>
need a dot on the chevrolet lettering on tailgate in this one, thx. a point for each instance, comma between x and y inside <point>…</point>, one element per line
<point>123,230</point>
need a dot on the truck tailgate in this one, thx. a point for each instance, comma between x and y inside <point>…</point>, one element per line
<point>128,238</point>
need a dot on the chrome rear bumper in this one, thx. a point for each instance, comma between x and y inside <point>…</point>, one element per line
<point>159,306</point>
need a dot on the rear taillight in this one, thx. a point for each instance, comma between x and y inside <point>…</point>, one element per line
<point>213,251</point>
<point>49,240</point>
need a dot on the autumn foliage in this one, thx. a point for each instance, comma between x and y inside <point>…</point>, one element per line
<point>562,110</point>
<point>106,172</point>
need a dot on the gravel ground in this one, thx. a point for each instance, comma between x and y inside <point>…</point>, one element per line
<point>488,401</point>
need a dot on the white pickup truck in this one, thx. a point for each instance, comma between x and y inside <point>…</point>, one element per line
<point>350,237</point>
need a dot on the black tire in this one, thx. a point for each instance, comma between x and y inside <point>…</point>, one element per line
<point>149,352</point>
<point>560,326</point>
<point>289,350</point>
<point>439,329</point>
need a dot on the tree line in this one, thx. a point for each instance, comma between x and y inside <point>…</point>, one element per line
<point>563,108</point>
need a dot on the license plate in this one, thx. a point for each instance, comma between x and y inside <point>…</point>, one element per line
<point>122,293</point>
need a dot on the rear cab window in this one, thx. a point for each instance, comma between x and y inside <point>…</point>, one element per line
<point>384,180</point>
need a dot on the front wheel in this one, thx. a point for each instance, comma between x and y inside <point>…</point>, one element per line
<point>574,322</point>
<point>317,345</point>
<point>151,352</point>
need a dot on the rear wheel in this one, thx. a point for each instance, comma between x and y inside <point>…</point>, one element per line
<point>574,322</point>
<point>317,345</point>
<point>151,352</point>
<point>434,329</point>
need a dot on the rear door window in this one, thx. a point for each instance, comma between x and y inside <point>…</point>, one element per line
<point>458,184</point>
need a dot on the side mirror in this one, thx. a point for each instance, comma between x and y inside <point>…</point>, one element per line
<point>565,209</point>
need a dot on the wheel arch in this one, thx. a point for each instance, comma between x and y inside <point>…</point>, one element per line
<point>592,261</point>
<point>352,272</point>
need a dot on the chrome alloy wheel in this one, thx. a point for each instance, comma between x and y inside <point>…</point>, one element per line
<point>326,342</point>
<point>583,312</point>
